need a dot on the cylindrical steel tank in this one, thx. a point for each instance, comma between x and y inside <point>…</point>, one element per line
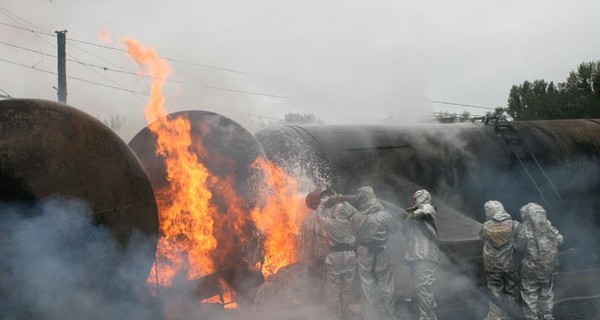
<point>49,149</point>
<point>462,165</point>
<point>227,150</point>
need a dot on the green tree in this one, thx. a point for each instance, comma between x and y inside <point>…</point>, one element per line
<point>465,117</point>
<point>577,97</point>
<point>534,100</point>
<point>582,89</point>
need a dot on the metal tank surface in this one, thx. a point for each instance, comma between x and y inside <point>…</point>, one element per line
<point>462,165</point>
<point>227,150</point>
<point>49,149</point>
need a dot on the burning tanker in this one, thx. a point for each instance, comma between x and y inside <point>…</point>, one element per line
<point>463,165</point>
<point>227,215</point>
<point>250,204</point>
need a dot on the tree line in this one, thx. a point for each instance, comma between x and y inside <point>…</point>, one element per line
<point>577,97</point>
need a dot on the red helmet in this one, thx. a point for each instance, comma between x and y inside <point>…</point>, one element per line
<point>313,199</point>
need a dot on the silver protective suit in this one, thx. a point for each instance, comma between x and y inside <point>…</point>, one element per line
<point>313,246</point>
<point>372,225</point>
<point>422,253</point>
<point>498,235</point>
<point>341,260</point>
<point>537,242</point>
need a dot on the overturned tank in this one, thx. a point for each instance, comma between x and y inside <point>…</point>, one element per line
<point>227,151</point>
<point>75,204</point>
<point>555,163</point>
<point>52,151</point>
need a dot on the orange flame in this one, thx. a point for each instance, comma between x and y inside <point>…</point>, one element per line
<point>226,299</point>
<point>280,218</point>
<point>199,232</point>
<point>185,224</point>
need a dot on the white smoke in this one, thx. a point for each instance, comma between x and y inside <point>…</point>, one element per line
<point>56,264</point>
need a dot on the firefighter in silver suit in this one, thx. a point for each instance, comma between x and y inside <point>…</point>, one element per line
<point>422,252</point>
<point>537,242</point>
<point>372,225</point>
<point>340,261</point>
<point>498,236</point>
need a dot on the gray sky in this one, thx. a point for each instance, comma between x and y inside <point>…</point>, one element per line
<point>371,58</point>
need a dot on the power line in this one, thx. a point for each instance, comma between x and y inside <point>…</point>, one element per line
<point>263,94</point>
<point>53,35</point>
<point>121,87</point>
<point>10,15</point>
<point>13,17</point>
<point>176,60</point>
<point>462,105</point>
<point>5,95</point>
<point>97,56</point>
<point>27,49</point>
<point>223,88</point>
<point>74,78</point>
<point>125,51</point>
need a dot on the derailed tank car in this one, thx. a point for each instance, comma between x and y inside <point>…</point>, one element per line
<point>554,163</point>
<point>55,260</point>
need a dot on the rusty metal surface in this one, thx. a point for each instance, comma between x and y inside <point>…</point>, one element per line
<point>566,138</point>
<point>463,165</point>
<point>229,151</point>
<point>49,149</point>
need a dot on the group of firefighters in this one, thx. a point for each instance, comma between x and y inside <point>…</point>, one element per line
<point>357,239</point>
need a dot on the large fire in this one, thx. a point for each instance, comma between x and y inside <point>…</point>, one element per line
<point>199,233</point>
<point>185,221</point>
<point>280,218</point>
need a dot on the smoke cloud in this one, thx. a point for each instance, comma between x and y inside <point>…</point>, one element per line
<point>57,264</point>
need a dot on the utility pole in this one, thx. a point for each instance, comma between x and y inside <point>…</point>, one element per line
<point>62,66</point>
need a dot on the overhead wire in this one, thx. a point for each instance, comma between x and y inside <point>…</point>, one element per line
<point>73,78</point>
<point>97,57</point>
<point>208,86</point>
<point>125,51</point>
<point>240,91</point>
<point>114,83</point>
<point>69,59</point>
<point>13,17</point>
<point>462,105</point>
<point>176,60</point>
<point>5,95</point>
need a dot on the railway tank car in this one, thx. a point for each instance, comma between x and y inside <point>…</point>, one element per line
<point>555,163</point>
<point>49,149</point>
<point>54,152</point>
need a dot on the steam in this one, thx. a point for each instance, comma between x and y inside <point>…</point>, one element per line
<point>56,264</point>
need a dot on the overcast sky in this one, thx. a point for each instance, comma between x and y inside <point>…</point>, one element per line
<point>346,61</point>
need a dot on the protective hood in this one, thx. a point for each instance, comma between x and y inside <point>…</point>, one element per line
<point>534,215</point>
<point>345,211</point>
<point>367,202</point>
<point>421,197</point>
<point>495,210</point>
